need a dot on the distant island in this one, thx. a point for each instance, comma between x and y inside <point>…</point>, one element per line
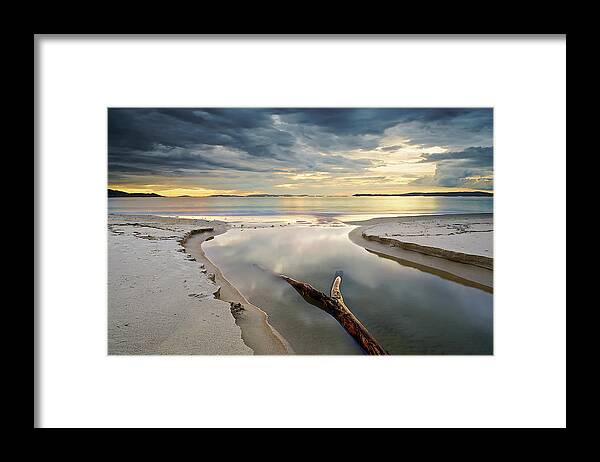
<point>429,194</point>
<point>116,193</point>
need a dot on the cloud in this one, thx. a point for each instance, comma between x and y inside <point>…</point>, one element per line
<point>345,121</point>
<point>474,156</point>
<point>196,144</point>
<point>239,139</point>
<point>470,168</point>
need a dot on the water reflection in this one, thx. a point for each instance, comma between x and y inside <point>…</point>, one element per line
<point>407,310</point>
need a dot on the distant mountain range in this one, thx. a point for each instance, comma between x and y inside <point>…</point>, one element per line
<point>441,194</point>
<point>115,193</point>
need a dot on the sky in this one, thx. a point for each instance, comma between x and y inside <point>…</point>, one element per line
<point>317,151</point>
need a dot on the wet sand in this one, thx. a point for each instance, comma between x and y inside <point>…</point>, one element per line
<point>257,333</point>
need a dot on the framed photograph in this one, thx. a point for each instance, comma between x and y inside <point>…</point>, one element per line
<point>250,216</point>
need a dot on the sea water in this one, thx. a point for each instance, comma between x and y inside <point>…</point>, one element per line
<point>297,208</point>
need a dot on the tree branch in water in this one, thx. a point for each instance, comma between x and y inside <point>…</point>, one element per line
<point>334,305</point>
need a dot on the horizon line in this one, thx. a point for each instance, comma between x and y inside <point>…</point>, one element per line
<point>155,194</point>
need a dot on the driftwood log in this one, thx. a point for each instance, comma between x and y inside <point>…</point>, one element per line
<point>335,306</point>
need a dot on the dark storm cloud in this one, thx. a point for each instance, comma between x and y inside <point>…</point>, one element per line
<point>166,142</point>
<point>245,129</point>
<point>374,121</point>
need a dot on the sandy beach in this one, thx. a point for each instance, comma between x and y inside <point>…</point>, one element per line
<point>162,300</point>
<point>461,238</point>
<point>457,247</point>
